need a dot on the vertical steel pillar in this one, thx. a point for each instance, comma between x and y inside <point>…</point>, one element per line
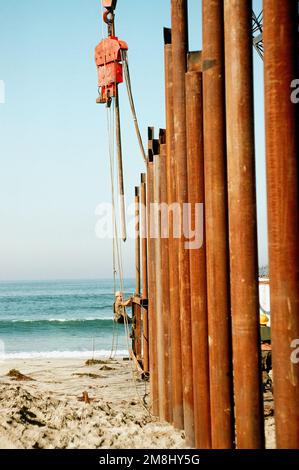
<point>137,310</point>
<point>198,278</point>
<point>282,131</point>
<point>152,281</point>
<point>159,338</point>
<point>243,227</point>
<point>120,168</point>
<point>167,407</point>
<point>179,20</point>
<point>216,217</point>
<point>175,325</point>
<point>145,330</point>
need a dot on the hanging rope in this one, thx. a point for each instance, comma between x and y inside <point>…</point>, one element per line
<point>110,128</point>
<point>118,272</point>
<point>119,258</point>
<point>125,61</point>
<point>111,146</point>
<point>117,255</point>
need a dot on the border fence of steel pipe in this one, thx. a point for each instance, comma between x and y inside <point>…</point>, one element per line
<point>203,312</point>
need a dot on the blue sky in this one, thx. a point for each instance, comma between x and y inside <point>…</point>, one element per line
<point>53,146</point>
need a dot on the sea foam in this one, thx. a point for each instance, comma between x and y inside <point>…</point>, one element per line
<point>102,353</point>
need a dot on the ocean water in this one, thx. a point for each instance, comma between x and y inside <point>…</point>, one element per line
<point>59,319</point>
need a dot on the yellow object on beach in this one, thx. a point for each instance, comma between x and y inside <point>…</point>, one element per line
<point>263,319</point>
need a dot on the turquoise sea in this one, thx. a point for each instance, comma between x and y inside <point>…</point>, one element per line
<point>59,319</point>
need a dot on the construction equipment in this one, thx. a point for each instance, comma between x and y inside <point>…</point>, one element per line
<point>108,61</point>
<point>110,70</point>
<point>113,67</point>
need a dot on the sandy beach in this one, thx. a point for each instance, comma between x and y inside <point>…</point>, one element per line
<point>47,412</point>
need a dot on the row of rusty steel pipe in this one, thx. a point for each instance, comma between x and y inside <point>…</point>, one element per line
<point>200,333</point>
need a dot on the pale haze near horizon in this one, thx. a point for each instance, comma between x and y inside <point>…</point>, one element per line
<point>53,146</point>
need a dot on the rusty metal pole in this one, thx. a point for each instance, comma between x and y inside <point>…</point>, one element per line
<point>198,278</point>
<point>175,325</point>
<point>137,312</point>
<point>179,20</point>
<point>165,284</point>
<point>243,226</point>
<point>145,330</point>
<point>111,32</point>
<point>120,168</point>
<point>152,282</point>
<point>159,338</point>
<point>282,131</point>
<point>216,218</point>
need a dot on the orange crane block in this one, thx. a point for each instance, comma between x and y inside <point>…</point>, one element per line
<point>110,70</point>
